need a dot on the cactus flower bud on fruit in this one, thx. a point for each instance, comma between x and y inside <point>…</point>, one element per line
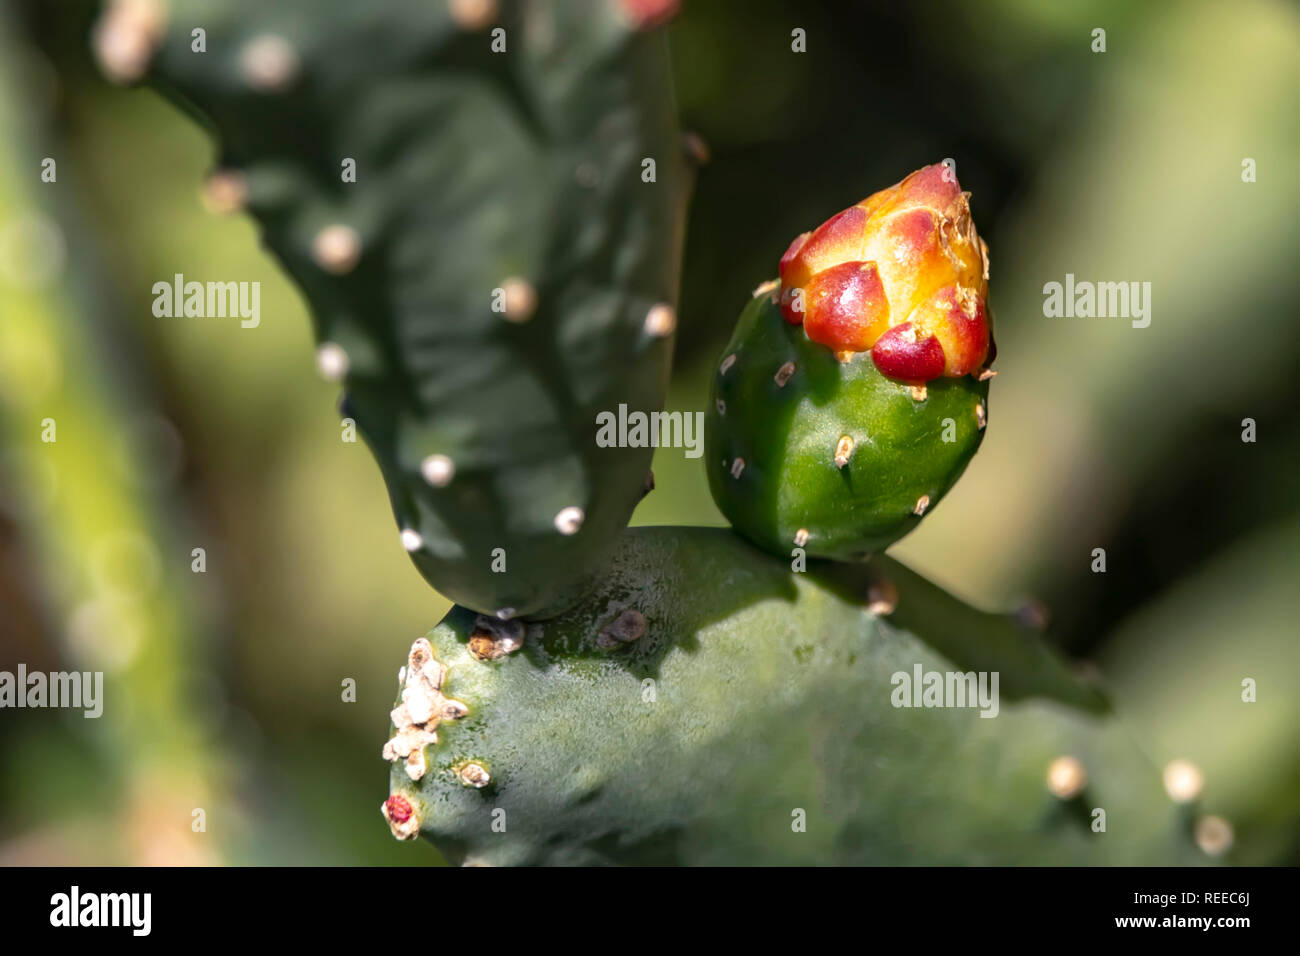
<point>902,274</point>
<point>854,391</point>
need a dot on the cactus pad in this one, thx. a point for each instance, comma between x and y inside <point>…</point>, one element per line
<point>486,219</point>
<point>707,705</point>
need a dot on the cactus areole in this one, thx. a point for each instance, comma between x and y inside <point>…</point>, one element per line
<point>855,389</point>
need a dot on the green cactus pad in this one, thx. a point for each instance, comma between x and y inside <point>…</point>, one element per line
<point>707,705</point>
<point>780,409</point>
<point>502,269</point>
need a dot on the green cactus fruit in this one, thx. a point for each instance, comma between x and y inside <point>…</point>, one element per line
<point>804,450</point>
<point>708,705</point>
<point>854,391</point>
<point>486,219</point>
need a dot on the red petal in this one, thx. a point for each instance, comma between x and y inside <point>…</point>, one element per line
<point>959,320</point>
<point>838,239</point>
<point>793,250</point>
<point>931,186</point>
<point>845,307</point>
<point>969,335</point>
<point>901,354</point>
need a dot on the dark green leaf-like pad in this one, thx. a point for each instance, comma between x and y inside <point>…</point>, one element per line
<point>497,163</point>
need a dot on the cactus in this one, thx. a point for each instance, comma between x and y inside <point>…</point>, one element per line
<point>708,705</point>
<point>854,391</point>
<point>502,268</point>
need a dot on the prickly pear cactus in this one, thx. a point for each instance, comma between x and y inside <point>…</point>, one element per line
<point>854,391</point>
<point>707,705</point>
<point>486,220</point>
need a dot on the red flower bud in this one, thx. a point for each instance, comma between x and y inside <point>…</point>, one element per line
<point>902,274</point>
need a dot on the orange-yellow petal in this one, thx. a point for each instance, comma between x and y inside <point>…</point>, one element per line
<point>928,271</point>
<point>845,307</point>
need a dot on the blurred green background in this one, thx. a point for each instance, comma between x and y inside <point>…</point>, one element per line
<point>225,688</point>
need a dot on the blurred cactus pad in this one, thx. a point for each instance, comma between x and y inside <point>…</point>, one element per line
<point>483,204</point>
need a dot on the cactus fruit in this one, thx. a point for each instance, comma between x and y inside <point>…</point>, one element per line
<point>486,220</point>
<point>854,391</point>
<point>708,705</point>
